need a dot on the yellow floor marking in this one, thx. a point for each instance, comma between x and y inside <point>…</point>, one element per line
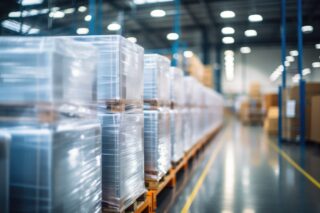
<point>200,181</point>
<point>295,165</point>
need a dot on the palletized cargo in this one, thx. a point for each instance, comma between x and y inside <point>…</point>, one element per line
<point>177,146</point>
<point>4,170</point>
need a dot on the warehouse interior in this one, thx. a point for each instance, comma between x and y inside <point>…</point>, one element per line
<point>160,106</point>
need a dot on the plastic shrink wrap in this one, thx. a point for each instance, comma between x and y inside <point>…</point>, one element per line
<point>55,167</point>
<point>177,146</point>
<point>157,146</point>
<point>122,159</point>
<point>56,73</point>
<point>120,69</point>
<point>4,170</point>
<point>177,95</point>
<point>186,129</point>
<point>156,81</point>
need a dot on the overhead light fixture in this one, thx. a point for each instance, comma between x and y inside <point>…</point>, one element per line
<point>290,58</point>
<point>33,31</point>
<point>306,71</point>
<point>317,46</point>
<point>16,27</point>
<point>88,18</point>
<point>188,54</point>
<point>172,36</point>
<point>69,10</point>
<point>227,30</point>
<point>56,14</point>
<point>228,40</point>
<point>245,50</point>
<point>33,12</point>
<point>228,52</point>
<point>82,31</point>
<point>140,2</point>
<point>250,33</point>
<point>316,64</point>
<point>158,13</point>
<point>294,53</point>
<point>286,63</point>
<point>30,2</point>
<point>255,18</point>
<point>44,11</point>
<point>307,29</point>
<point>132,39</point>
<point>82,9</point>
<point>114,26</point>
<point>14,14</point>
<point>227,14</point>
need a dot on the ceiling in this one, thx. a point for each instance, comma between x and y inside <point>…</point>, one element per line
<point>200,20</point>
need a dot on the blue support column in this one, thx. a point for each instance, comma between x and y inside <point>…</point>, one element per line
<point>92,12</point>
<point>176,29</point>
<point>300,67</point>
<point>99,30</point>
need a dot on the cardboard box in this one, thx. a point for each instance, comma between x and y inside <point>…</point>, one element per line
<point>255,90</point>
<point>315,119</point>
<point>195,68</point>
<point>271,121</point>
<point>270,100</point>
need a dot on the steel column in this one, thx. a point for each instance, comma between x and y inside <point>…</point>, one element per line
<point>92,12</point>
<point>176,29</point>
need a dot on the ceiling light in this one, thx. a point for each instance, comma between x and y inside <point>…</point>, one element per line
<point>132,39</point>
<point>57,14</point>
<point>316,64</point>
<point>307,29</point>
<point>188,54</point>
<point>114,26</point>
<point>139,2</point>
<point>290,58</point>
<point>255,18</point>
<point>172,36</point>
<point>88,18</point>
<point>286,63</point>
<point>227,30</point>
<point>245,50</point>
<point>33,31</point>
<point>30,2</point>
<point>228,40</point>
<point>82,9</point>
<point>44,11</point>
<point>157,13</point>
<point>228,52</point>
<point>294,53</point>
<point>317,46</point>
<point>69,10</point>
<point>16,26</point>
<point>250,33</point>
<point>306,71</point>
<point>54,9</point>
<point>227,14</point>
<point>14,14</point>
<point>82,31</point>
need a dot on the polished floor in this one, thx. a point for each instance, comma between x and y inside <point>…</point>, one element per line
<point>248,175</point>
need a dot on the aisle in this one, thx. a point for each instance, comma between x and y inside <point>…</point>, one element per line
<point>248,175</point>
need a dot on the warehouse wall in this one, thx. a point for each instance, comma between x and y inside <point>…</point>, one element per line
<point>260,63</point>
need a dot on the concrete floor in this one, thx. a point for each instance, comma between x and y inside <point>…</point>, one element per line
<point>248,175</point>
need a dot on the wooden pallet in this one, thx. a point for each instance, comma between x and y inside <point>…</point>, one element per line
<point>120,105</point>
<point>153,104</point>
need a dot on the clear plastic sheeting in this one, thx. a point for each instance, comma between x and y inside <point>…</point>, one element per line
<point>55,168</point>
<point>186,129</point>
<point>177,146</point>
<point>122,159</point>
<point>4,171</point>
<point>177,93</point>
<point>157,146</point>
<point>120,68</point>
<point>156,81</point>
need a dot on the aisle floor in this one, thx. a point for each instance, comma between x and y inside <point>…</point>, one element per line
<point>248,175</point>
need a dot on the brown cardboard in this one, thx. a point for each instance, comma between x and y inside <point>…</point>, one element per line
<point>315,119</point>
<point>270,100</point>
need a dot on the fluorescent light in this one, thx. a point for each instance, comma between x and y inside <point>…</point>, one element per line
<point>227,30</point>
<point>132,39</point>
<point>294,53</point>
<point>228,52</point>
<point>14,14</point>
<point>82,9</point>
<point>306,71</point>
<point>286,63</point>
<point>228,40</point>
<point>54,9</point>
<point>30,2</point>
<point>69,10</point>
<point>139,2</point>
<point>33,31</point>
<point>317,46</point>
<point>290,58</point>
<point>316,64</point>
<point>188,54</point>
<point>245,50</point>
<point>57,14</point>
<point>114,26</point>
<point>16,26</point>
<point>82,31</point>
<point>172,36</point>
<point>158,13</point>
<point>307,29</point>
<point>255,18</point>
<point>88,18</point>
<point>227,14</point>
<point>250,33</point>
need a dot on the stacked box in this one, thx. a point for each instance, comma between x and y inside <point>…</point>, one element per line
<point>47,93</point>
<point>120,92</point>
<point>271,121</point>
<point>156,117</point>
<point>315,119</point>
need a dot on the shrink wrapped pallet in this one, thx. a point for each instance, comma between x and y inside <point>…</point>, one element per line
<point>176,86</point>
<point>4,171</point>
<point>120,68</point>
<point>157,146</point>
<point>56,73</point>
<point>156,81</point>
<point>56,167</point>
<point>186,129</point>
<point>122,159</point>
<point>177,145</point>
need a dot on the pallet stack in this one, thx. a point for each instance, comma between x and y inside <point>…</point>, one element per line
<point>48,122</point>
<point>157,147</point>
<point>120,111</point>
